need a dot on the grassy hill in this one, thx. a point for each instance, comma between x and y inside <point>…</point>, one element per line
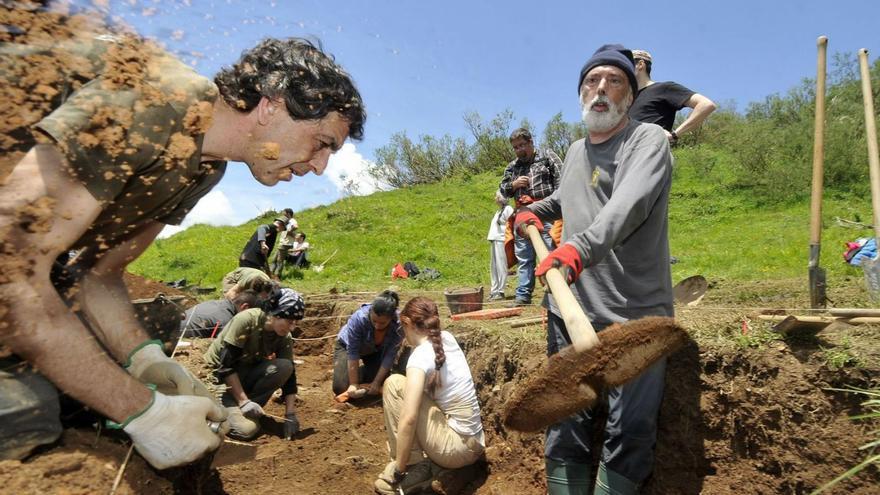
<point>717,230</point>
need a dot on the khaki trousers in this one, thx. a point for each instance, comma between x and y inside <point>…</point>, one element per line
<point>434,438</point>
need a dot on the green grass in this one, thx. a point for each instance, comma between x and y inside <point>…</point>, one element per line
<point>722,232</point>
<point>716,229</point>
<point>841,355</point>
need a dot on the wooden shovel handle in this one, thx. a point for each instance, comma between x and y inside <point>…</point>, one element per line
<point>579,328</point>
<point>871,131</point>
<point>818,146</point>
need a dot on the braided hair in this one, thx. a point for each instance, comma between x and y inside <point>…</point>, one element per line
<point>422,313</point>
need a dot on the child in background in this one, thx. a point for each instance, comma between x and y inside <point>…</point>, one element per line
<point>497,256</point>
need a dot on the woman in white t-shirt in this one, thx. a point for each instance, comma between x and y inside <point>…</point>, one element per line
<point>433,410</point>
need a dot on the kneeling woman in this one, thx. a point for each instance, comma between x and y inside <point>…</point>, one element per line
<point>433,410</point>
<point>371,335</point>
<point>253,357</point>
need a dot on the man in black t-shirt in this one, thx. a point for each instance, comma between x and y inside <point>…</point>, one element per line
<point>256,252</point>
<point>658,102</point>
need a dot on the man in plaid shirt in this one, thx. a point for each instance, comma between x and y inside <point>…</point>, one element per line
<point>534,175</point>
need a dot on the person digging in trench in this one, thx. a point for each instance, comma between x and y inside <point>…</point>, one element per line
<point>253,357</point>
<point>128,141</point>
<point>372,335</point>
<point>614,197</point>
<point>432,416</point>
<point>209,317</point>
<point>243,278</point>
<point>256,251</point>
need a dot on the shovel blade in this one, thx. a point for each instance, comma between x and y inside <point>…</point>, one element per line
<point>871,268</point>
<point>817,287</point>
<point>571,380</point>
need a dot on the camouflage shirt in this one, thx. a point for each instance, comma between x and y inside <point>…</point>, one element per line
<point>130,120</point>
<point>247,331</point>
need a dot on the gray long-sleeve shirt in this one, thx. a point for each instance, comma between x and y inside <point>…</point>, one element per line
<point>614,198</point>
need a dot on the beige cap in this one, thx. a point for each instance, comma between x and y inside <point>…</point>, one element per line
<point>641,54</point>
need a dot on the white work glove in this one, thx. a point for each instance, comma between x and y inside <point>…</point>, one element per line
<point>175,430</point>
<point>251,410</point>
<point>149,364</point>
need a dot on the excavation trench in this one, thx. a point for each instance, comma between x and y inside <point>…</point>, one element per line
<point>733,420</point>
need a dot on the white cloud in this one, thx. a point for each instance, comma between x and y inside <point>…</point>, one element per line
<point>347,171</point>
<point>213,209</point>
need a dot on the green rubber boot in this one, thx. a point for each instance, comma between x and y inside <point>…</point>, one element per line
<point>610,483</point>
<point>567,478</point>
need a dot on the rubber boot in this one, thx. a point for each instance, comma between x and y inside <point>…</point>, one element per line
<point>610,483</point>
<point>567,478</point>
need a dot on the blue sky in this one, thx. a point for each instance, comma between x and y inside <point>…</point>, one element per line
<point>421,66</point>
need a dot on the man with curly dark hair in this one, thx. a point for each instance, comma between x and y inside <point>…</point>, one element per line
<point>127,139</point>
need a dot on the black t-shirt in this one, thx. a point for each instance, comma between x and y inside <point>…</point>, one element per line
<point>658,103</point>
<point>252,251</point>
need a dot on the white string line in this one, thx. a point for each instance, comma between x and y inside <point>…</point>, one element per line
<point>318,338</point>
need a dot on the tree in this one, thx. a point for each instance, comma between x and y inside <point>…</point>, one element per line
<point>491,140</point>
<point>405,163</point>
<point>558,134</point>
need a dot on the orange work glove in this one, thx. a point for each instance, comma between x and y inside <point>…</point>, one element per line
<point>565,258</point>
<point>526,217</point>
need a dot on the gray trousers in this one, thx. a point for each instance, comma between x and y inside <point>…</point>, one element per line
<point>631,427</point>
<point>29,410</point>
<point>497,267</point>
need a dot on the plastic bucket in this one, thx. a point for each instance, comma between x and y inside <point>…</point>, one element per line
<point>464,300</point>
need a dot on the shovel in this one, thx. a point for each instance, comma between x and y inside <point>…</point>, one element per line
<point>871,266</point>
<point>570,380</point>
<point>320,268</point>
<point>817,273</point>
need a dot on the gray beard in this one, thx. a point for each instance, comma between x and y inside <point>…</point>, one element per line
<point>602,121</point>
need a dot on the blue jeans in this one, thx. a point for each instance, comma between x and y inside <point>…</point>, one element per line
<point>631,428</point>
<point>525,254</point>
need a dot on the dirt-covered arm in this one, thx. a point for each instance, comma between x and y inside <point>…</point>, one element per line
<point>105,301</point>
<point>43,211</point>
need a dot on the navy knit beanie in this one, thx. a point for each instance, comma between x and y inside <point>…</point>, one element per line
<point>617,56</point>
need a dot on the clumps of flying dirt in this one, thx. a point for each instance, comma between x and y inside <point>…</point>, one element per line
<point>180,148</point>
<point>198,118</point>
<point>36,217</point>
<point>125,65</point>
<point>270,151</point>
<point>31,80</point>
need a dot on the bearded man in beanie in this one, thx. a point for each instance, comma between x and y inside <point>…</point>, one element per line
<point>613,196</point>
